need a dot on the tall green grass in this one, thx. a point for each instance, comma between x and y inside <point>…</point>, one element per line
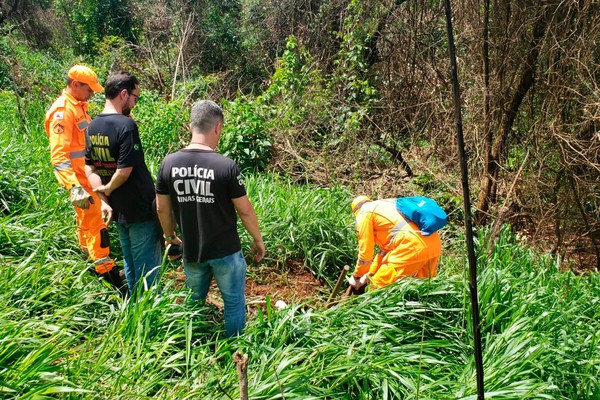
<point>302,222</point>
<point>65,334</point>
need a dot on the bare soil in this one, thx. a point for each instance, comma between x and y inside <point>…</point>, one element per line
<point>290,283</point>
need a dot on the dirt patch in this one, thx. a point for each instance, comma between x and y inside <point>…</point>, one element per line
<point>290,283</point>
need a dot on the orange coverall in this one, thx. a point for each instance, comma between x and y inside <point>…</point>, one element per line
<point>403,251</point>
<point>66,126</point>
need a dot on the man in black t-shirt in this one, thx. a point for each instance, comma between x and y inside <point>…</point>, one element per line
<point>201,190</point>
<point>116,168</point>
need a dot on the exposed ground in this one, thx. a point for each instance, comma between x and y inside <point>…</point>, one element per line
<point>291,283</point>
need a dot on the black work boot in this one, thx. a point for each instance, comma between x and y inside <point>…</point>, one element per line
<point>114,278</point>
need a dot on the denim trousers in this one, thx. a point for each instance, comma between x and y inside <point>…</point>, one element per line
<point>230,274</point>
<point>140,242</point>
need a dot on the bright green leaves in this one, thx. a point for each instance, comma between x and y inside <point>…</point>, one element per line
<point>245,139</point>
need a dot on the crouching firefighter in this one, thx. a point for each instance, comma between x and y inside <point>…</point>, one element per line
<point>404,251</point>
<point>66,124</point>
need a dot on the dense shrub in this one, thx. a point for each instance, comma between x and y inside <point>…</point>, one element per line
<point>244,137</point>
<point>163,124</point>
<point>90,21</point>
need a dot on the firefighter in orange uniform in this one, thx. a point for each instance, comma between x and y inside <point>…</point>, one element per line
<point>403,250</point>
<point>66,126</point>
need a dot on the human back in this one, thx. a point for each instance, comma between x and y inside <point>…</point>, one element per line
<point>403,250</point>
<point>201,184</point>
<point>115,143</point>
<point>203,193</point>
<point>117,170</point>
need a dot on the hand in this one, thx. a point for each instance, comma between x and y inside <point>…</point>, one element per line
<point>357,283</point>
<point>257,250</point>
<point>107,212</point>
<point>364,279</point>
<point>80,198</point>
<point>104,189</point>
<point>352,281</point>
<point>175,241</point>
<point>174,251</point>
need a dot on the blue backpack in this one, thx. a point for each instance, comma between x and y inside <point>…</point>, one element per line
<point>423,211</point>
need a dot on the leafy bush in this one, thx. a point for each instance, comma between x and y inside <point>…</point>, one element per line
<point>244,137</point>
<point>162,124</point>
<point>296,103</point>
<point>90,21</point>
<point>357,94</point>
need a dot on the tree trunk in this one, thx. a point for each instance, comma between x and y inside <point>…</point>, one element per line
<point>494,152</point>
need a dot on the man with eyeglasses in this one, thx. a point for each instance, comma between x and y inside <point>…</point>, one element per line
<point>117,171</point>
<point>66,124</point>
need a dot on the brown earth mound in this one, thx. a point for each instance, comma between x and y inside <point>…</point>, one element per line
<point>290,283</point>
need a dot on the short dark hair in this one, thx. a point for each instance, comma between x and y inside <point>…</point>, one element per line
<point>205,115</point>
<point>117,81</point>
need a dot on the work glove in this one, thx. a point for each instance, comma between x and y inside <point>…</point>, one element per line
<point>358,283</point>
<point>80,198</point>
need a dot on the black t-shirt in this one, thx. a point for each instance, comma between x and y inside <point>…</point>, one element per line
<point>115,143</point>
<point>201,185</point>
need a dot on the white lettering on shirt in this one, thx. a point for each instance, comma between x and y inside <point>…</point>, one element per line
<point>184,187</point>
<point>193,184</point>
<point>193,172</point>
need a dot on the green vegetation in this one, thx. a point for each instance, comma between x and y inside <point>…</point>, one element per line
<point>322,101</point>
<point>67,335</point>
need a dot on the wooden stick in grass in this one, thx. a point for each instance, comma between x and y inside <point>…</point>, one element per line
<point>338,284</point>
<point>241,362</point>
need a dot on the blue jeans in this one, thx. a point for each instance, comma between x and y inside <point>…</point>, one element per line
<point>230,274</point>
<point>140,242</point>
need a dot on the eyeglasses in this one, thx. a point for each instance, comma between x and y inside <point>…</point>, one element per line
<point>137,98</point>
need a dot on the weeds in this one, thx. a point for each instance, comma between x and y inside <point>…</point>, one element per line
<point>66,334</point>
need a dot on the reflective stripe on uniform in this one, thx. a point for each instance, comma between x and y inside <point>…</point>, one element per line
<point>102,260</point>
<point>63,165</point>
<point>399,226</point>
<point>396,229</point>
<point>82,125</point>
<point>77,154</point>
<point>362,262</point>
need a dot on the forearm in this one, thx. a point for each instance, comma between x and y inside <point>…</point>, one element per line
<point>60,150</point>
<point>376,263</point>
<point>66,177</point>
<point>95,181</point>
<point>165,215</point>
<point>366,245</point>
<point>250,222</point>
<point>118,179</point>
<point>248,216</point>
<point>361,269</point>
<point>168,224</point>
<point>364,261</point>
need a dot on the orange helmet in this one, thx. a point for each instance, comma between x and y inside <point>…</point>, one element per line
<point>358,202</point>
